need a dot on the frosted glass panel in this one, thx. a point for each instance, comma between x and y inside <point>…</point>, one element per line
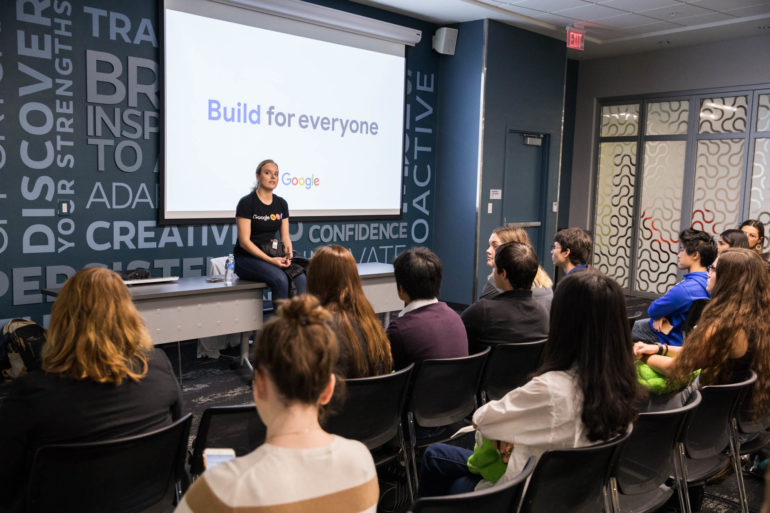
<point>760,184</point>
<point>615,210</point>
<point>723,115</point>
<point>660,211</point>
<point>620,120</point>
<point>717,192</point>
<point>667,118</point>
<point>763,113</point>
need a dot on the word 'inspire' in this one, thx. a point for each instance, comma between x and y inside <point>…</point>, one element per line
<point>244,113</point>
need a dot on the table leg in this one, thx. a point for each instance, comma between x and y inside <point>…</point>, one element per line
<point>245,350</point>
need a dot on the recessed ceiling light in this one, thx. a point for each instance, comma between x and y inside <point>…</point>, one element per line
<point>763,27</point>
<point>664,42</point>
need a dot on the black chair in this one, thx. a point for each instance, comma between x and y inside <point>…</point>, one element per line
<point>573,480</point>
<point>502,498</point>
<point>708,434</point>
<point>647,459</point>
<point>508,367</point>
<point>633,317</point>
<point>236,427</point>
<point>753,431</point>
<point>443,394</point>
<point>372,414</point>
<point>128,475</point>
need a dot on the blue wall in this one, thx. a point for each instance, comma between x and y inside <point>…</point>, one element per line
<point>523,90</point>
<point>49,154</point>
<point>459,115</point>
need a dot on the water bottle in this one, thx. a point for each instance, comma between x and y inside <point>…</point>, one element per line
<point>229,269</point>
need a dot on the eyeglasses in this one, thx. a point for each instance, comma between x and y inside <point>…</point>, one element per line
<point>711,269</point>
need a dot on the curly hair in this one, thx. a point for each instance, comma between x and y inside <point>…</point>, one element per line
<point>95,331</point>
<point>740,301</point>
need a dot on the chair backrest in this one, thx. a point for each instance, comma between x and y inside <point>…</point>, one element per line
<point>126,475</point>
<point>236,427</point>
<point>572,480</point>
<point>502,498</point>
<point>444,389</point>
<point>373,408</point>
<point>509,366</point>
<point>708,430</point>
<point>645,461</point>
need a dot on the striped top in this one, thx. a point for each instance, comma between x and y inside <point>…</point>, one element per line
<point>337,478</point>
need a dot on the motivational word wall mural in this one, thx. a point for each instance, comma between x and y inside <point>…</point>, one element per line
<point>79,155</point>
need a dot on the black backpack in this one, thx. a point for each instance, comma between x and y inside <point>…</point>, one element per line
<point>21,342</point>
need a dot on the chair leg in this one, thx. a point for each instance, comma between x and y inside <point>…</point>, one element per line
<point>684,495</point>
<point>412,449</point>
<point>407,463</point>
<point>614,495</point>
<point>735,450</point>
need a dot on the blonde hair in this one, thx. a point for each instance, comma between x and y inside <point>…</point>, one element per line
<point>95,331</point>
<point>511,233</point>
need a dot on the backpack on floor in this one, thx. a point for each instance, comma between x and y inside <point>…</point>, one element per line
<point>20,344</point>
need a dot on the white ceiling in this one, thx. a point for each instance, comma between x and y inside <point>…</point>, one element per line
<point>613,27</point>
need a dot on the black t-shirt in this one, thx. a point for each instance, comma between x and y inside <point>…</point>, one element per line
<point>265,219</point>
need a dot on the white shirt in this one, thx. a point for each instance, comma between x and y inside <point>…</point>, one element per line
<point>542,415</point>
<point>417,303</point>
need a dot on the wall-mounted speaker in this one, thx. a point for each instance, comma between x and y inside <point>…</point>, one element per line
<point>444,40</point>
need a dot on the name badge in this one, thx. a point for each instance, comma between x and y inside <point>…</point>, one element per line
<point>275,244</point>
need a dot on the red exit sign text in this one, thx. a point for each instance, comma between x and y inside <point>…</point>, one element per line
<point>575,39</point>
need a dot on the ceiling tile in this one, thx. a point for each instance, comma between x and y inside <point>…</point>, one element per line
<point>649,29</point>
<point>726,5</point>
<point>674,12</point>
<point>551,5</point>
<point>626,20</point>
<point>633,5</point>
<point>590,12</point>
<point>702,19</point>
<point>755,10</point>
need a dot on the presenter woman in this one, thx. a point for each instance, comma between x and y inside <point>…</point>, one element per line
<point>259,215</point>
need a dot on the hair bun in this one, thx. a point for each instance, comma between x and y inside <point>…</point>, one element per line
<point>303,310</point>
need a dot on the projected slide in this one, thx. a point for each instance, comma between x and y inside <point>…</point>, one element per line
<point>330,115</point>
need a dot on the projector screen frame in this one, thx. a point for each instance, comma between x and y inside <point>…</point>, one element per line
<point>163,220</point>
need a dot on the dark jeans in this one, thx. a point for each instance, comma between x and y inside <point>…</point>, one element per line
<point>255,269</point>
<point>642,331</point>
<point>445,471</point>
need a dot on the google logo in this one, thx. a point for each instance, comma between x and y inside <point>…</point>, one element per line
<point>303,181</point>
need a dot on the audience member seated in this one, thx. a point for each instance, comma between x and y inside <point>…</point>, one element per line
<point>425,328</point>
<point>300,467</point>
<point>542,286</point>
<point>513,315</point>
<point>583,393</point>
<point>732,334</point>
<point>101,379</point>
<point>667,314</point>
<point>571,249</point>
<point>732,239</point>
<point>755,231</point>
<point>332,276</point>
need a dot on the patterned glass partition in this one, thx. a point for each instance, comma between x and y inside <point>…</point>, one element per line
<point>620,120</point>
<point>717,191</point>
<point>667,118</point>
<point>723,115</point>
<point>763,113</point>
<point>660,211</point>
<point>760,184</point>
<point>615,209</point>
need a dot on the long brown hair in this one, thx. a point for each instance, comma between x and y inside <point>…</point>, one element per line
<point>740,301</point>
<point>332,276</point>
<point>95,331</point>
<point>510,233</point>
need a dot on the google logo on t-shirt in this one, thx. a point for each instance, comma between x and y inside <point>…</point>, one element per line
<point>304,181</point>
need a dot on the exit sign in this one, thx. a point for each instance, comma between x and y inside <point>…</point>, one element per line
<point>575,39</point>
